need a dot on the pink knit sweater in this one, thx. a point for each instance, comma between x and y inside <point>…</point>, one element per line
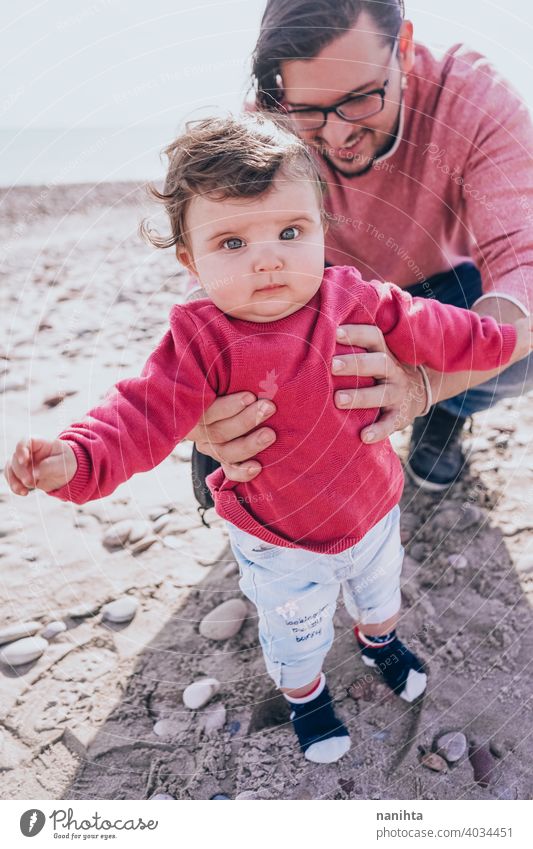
<point>456,185</point>
<point>321,488</point>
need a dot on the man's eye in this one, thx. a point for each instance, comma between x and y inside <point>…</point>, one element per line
<point>289,233</point>
<point>233,243</point>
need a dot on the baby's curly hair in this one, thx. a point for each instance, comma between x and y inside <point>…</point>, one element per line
<point>227,157</point>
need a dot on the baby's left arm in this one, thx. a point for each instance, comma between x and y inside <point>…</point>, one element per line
<point>423,331</point>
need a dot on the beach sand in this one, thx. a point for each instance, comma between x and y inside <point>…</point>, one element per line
<point>83,302</point>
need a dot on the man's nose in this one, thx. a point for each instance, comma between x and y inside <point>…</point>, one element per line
<point>336,131</point>
<point>267,257</point>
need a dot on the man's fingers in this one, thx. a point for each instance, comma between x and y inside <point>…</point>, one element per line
<point>386,425</point>
<point>228,406</point>
<point>362,335</point>
<point>239,450</point>
<point>381,395</point>
<point>22,469</point>
<point>227,430</point>
<point>377,365</point>
<point>242,472</point>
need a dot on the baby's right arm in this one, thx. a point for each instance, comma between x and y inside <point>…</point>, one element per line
<point>40,464</point>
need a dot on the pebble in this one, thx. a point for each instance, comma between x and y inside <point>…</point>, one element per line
<point>458,518</point>
<point>172,542</point>
<point>81,611</point>
<point>434,762</point>
<point>500,748</point>
<point>230,569</point>
<point>167,728</point>
<point>23,651</point>
<point>452,746</point>
<point>221,797</point>
<point>234,727</point>
<point>143,544</point>
<point>139,530</point>
<point>157,512</point>
<point>162,797</point>
<point>215,718</point>
<point>224,621</point>
<point>183,451</point>
<point>118,534</point>
<point>121,610</point>
<point>197,694</point>
<point>53,629</point>
<point>418,551</point>
<point>458,561</point>
<point>482,763</point>
<point>16,632</point>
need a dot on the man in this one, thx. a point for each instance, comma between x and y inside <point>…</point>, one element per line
<point>430,185</point>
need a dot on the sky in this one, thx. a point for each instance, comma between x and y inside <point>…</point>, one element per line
<point>117,63</point>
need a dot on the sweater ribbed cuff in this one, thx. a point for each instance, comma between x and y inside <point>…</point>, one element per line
<point>73,490</point>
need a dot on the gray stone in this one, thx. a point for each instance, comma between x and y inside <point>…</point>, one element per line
<point>452,746</point>
<point>18,631</point>
<point>162,797</point>
<point>23,651</point>
<point>197,694</point>
<point>225,620</point>
<point>458,561</point>
<point>118,534</point>
<point>53,629</point>
<point>121,610</point>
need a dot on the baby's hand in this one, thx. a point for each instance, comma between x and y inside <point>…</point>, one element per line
<point>40,464</point>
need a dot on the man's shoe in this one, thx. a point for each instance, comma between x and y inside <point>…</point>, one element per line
<point>436,458</point>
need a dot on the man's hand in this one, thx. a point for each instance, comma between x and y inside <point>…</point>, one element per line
<point>399,390</point>
<point>224,433</point>
<point>40,464</point>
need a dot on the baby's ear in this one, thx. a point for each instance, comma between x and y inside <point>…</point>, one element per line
<point>185,257</point>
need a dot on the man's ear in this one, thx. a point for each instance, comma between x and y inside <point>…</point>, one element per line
<point>407,47</point>
<point>185,257</point>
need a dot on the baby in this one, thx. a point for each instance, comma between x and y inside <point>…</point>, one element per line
<point>245,206</point>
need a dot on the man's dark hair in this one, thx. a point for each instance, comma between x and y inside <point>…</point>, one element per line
<point>300,29</point>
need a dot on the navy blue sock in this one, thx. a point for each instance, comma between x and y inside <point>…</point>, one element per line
<point>322,736</point>
<point>400,668</point>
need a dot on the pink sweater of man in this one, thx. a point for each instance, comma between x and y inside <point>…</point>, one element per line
<point>321,488</point>
<point>456,185</point>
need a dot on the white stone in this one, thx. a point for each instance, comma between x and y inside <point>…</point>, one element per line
<point>457,561</point>
<point>172,542</point>
<point>121,610</point>
<point>162,797</point>
<point>16,632</point>
<point>139,530</point>
<point>215,718</point>
<point>183,451</point>
<point>118,534</point>
<point>452,746</point>
<point>225,620</point>
<point>197,694</point>
<point>143,544</point>
<point>53,629</point>
<point>23,651</point>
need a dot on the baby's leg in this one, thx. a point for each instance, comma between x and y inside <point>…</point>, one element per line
<point>372,596</point>
<point>295,632</point>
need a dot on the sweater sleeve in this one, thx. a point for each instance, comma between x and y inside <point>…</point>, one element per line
<point>141,419</point>
<point>497,183</point>
<point>423,331</point>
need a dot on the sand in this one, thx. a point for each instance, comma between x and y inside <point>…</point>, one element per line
<point>83,303</point>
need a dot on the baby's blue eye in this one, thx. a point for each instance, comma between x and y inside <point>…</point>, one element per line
<point>289,233</point>
<point>233,243</point>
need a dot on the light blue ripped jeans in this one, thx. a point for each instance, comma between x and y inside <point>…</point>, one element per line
<point>295,592</point>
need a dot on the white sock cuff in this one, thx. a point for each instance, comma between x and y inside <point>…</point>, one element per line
<point>301,700</point>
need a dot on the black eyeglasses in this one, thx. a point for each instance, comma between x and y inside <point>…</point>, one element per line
<point>354,107</point>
